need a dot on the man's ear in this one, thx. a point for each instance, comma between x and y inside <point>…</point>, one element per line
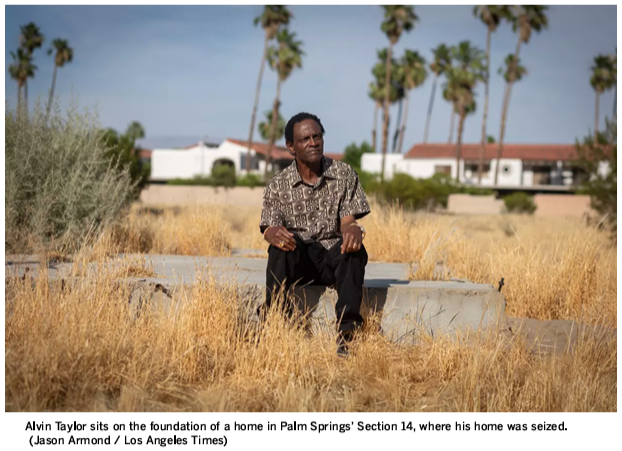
<point>290,147</point>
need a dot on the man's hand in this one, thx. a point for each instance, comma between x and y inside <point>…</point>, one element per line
<point>280,237</point>
<point>352,238</point>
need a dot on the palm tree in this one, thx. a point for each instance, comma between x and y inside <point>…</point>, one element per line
<point>442,61</point>
<point>64,54</point>
<point>525,19</point>
<point>376,93</point>
<point>265,127</point>
<point>272,18</point>
<point>380,74</point>
<point>414,75</point>
<point>20,70</point>
<point>491,16</point>
<point>603,79</point>
<point>135,131</point>
<point>397,19</point>
<point>283,59</point>
<point>30,39</point>
<point>449,96</point>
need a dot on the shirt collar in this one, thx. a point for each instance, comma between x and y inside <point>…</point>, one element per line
<point>327,171</point>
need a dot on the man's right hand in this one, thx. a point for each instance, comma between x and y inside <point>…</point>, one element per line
<point>281,238</point>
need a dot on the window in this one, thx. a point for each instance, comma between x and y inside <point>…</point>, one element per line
<point>438,169</point>
<point>473,168</point>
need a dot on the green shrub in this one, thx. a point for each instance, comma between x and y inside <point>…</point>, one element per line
<point>223,175</point>
<point>519,203</point>
<point>250,180</point>
<point>197,180</point>
<point>61,187</point>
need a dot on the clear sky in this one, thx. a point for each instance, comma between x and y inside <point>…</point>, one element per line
<point>189,73</point>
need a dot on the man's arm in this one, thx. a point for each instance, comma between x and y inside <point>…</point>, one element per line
<point>354,206</point>
<point>351,233</point>
<point>271,224</point>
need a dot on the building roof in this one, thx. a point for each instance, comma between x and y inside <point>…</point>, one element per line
<point>537,152</point>
<point>145,153</point>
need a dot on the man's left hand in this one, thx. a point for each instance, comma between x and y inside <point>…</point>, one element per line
<point>352,239</point>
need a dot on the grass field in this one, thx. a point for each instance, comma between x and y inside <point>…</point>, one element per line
<point>78,350</point>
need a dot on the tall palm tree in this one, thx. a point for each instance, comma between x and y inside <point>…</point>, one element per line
<point>397,19</point>
<point>30,39</point>
<point>272,18</point>
<point>377,89</point>
<point>20,70</point>
<point>603,79</point>
<point>265,127</point>
<point>135,131</point>
<point>449,96</point>
<point>64,54</point>
<point>525,19</point>
<point>442,61</point>
<point>413,66</point>
<point>376,93</point>
<point>491,16</point>
<point>460,87</point>
<point>283,58</point>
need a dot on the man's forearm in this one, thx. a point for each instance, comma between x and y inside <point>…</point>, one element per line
<point>346,222</point>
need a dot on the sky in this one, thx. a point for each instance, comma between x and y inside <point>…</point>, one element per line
<point>189,73</point>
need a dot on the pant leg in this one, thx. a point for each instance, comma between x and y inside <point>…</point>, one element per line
<point>348,273</point>
<point>284,269</point>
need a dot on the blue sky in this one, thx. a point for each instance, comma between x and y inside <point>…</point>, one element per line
<point>189,73</point>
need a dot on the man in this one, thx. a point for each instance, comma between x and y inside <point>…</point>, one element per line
<point>309,218</point>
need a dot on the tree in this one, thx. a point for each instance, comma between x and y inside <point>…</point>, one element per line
<point>491,16</point>
<point>30,39</point>
<point>283,59</point>
<point>20,70</point>
<point>265,128</point>
<point>376,93</point>
<point>64,54</point>
<point>272,18</point>
<point>135,131</point>
<point>414,71</point>
<point>397,19</point>
<point>603,79</point>
<point>353,155</point>
<point>601,183</point>
<point>525,19</point>
<point>442,61</point>
<point>396,91</point>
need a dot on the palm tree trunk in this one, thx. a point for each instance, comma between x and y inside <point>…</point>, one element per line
<point>257,91</point>
<point>480,164</point>
<point>427,122</point>
<point>47,112</point>
<point>459,143</point>
<point>596,118</point>
<point>406,102</point>
<point>19,97</point>
<point>398,123</point>
<point>504,113</point>
<point>26,96</point>
<point>385,128</point>
<point>373,132</point>
<point>275,115</point>
<point>451,126</point>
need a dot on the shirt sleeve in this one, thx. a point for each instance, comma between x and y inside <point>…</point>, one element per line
<point>355,201</point>
<point>271,214</point>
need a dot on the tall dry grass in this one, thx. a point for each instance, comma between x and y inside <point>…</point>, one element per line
<point>77,350</point>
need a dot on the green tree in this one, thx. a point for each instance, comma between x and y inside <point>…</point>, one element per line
<point>442,61</point>
<point>525,19</point>
<point>396,91</point>
<point>414,74</point>
<point>397,20</point>
<point>271,19</point>
<point>283,58</point>
<point>21,68</point>
<point>265,128</point>
<point>63,55</point>
<point>491,16</point>
<point>122,149</point>
<point>353,155</point>
<point>30,39</point>
<point>600,184</point>
<point>603,79</point>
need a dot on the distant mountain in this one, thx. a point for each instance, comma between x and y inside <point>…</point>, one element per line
<point>175,141</point>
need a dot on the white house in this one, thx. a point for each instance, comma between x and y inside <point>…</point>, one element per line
<point>521,165</point>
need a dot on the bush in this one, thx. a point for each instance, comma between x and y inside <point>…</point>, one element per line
<point>223,175</point>
<point>519,203</point>
<point>61,187</point>
<point>197,180</point>
<point>250,180</point>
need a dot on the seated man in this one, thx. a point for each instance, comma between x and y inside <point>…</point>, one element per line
<point>309,218</point>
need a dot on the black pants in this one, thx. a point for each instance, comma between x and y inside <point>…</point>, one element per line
<point>311,263</point>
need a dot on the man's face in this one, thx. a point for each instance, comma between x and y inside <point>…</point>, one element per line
<point>308,145</point>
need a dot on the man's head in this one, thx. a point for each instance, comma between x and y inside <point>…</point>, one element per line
<point>304,136</point>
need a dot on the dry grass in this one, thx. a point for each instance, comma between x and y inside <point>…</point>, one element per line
<point>77,350</point>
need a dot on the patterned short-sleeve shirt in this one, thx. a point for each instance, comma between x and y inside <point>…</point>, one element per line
<point>314,212</point>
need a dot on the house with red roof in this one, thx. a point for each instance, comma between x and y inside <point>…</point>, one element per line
<point>521,165</point>
<point>200,158</point>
